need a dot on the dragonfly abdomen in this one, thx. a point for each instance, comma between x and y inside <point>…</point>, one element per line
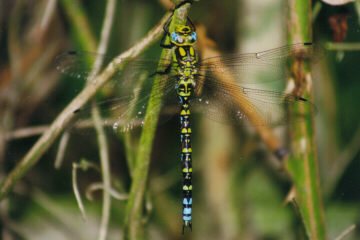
<point>185,60</point>
<point>186,161</point>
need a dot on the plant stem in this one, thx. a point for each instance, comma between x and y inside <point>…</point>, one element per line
<point>134,209</point>
<point>303,163</point>
<point>102,141</point>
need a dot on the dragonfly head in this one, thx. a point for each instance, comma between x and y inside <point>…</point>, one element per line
<point>183,36</point>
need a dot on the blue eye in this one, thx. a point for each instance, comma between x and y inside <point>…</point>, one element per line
<point>174,36</point>
<point>194,36</point>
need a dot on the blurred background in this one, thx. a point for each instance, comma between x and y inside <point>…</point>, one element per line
<point>239,186</point>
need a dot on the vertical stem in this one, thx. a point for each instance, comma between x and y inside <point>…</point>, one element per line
<point>134,209</point>
<point>303,162</point>
<point>102,141</point>
<point>86,38</point>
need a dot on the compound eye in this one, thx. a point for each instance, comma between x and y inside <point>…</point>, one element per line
<point>174,37</point>
<point>193,36</point>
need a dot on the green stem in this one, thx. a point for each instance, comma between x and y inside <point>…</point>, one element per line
<point>343,46</point>
<point>303,163</point>
<point>134,209</point>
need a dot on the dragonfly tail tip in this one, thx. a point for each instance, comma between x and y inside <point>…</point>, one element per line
<point>281,152</point>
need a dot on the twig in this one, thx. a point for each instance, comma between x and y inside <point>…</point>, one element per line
<point>346,232</point>
<point>343,46</point>
<point>167,4</point>
<point>38,130</point>
<point>83,165</point>
<point>67,114</point>
<point>61,150</point>
<point>76,190</point>
<point>99,186</point>
<point>105,171</point>
<point>49,11</point>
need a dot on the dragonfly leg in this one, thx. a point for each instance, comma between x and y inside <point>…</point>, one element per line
<point>166,25</point>
<point>191,24</point>
<point>162,43</point>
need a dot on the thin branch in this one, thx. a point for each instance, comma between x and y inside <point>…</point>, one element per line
<point>346,232</point>
<point>79,101</point>
<point>38,130</point>
<point>99,186</point>
<point>61,150</point>
<point>49,11</point>
<point>83,165</point>
<point>343,46</point>
<point>76,190</point>
<point>105,172</point>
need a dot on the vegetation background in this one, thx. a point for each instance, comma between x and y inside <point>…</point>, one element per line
<point>239,186</point>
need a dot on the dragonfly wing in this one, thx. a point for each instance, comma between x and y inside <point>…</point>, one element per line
<point>79,65</point>
<point>127,92</point>
<point>127,112</point>
<point>233,104</point>
<point>266,66</point>
<point>133,114</point>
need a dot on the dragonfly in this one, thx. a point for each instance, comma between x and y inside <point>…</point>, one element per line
<point>189,83</point>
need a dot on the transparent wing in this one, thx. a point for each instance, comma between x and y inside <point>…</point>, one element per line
<point>129,89</point>
<point>267,65</point>
<point>233,104</point>
<point>79,65</point>
<point>125,113</point>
